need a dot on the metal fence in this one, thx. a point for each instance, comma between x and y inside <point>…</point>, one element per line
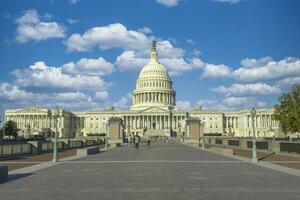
<point>290,147</point>
<point>259,144</point>
<point>233,143</point>
<point>75,144</point>
<point>90,142</point>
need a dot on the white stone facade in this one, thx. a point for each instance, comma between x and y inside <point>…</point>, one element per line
<point>153,110</point>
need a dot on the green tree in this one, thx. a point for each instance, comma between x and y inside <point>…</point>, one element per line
<point>287,111</point>
<point>10,128</point>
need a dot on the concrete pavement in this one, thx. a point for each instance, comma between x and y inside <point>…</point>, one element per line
<point>164,171</point>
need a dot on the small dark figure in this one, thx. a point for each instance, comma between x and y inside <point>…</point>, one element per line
<point>148,141</point>
<point>137,140</point>
<point>130,140</point>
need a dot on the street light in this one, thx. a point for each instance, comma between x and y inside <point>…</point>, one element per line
<point>254,153</point>
<point>185,134</point>
<point>56,116</point>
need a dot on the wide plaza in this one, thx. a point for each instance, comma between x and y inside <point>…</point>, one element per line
<point>163,171</point>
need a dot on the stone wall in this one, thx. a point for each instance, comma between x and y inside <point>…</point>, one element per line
<point>262,144</point>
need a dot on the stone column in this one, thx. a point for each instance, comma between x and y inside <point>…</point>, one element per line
<point>161,121</point>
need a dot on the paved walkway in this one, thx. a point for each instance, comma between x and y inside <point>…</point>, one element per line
<point>165,171</point>
<point>29,160</point>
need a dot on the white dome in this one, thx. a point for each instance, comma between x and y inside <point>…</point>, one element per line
<point>154,69</point>
<point>154,86</point>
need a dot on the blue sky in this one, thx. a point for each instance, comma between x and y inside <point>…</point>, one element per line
<point>87,54</point>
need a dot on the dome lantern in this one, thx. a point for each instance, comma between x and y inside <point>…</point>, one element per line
<point>153,52</point>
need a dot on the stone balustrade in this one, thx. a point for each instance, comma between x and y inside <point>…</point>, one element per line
<point>37,147</point>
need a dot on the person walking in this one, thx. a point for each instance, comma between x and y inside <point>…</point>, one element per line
<point>137,140</point>
<point>133,140</point>
<point>148,141</point>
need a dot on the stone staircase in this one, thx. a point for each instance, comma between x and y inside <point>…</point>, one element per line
<point>155,132</point>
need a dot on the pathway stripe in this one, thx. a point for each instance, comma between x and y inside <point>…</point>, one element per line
<point>146,161</point>
<point>139,161</point>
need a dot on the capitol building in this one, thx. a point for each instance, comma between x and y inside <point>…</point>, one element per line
<point>153,112</point>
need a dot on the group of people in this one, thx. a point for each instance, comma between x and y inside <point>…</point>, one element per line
<point>136,139</point>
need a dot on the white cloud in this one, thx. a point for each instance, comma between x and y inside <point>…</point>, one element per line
<point>289,81</point>
<point>263,69</point>
<point>228,1</point>
<point>239,102</point>
<point>206,102</point>
<point>247,89</point>
<point>12,96</point>
<point>39,75</point>
<point>30,27</point>
<point>124,102</point>
<point>184,105</point>
<point>215,71</point>
<point>106,37</point>
<point>118,36</point>
<point>168,3</point>
<point>254,63</point>
<point>145,30</point>
<point>10,92</point>
<point>101,95</point>
<point>177,66</point>
<point>230,103</point>
<point>90,67</point>
<point>67,97</point>
<point>167,50</point>
<point>129,61</point>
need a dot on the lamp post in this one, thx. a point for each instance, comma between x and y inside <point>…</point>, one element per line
<point>56,116</point>
<point>179,130</point>
<point>254,153</point>
<point>185,134</point>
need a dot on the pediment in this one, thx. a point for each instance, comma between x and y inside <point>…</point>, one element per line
<point>154,109</point>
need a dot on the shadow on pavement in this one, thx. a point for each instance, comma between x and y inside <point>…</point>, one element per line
<point>13,177</point>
